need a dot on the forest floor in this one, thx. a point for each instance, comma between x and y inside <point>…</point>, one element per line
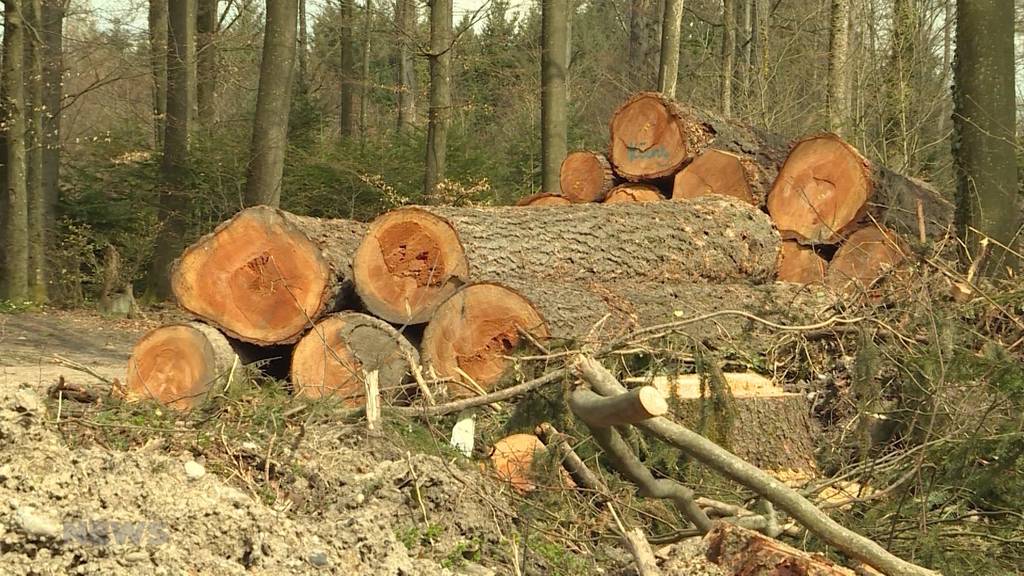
<point>104,489</point>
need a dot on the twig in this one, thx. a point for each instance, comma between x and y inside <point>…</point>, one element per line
<point>81,368</point>
<point>639,548</point>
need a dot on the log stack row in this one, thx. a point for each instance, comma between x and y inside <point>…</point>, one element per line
<point>842,218</point>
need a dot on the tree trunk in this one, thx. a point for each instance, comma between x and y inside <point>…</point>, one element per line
<point>728,54</point>
<point>440,93</point>
<point>554,99</point>
<point>178,365</point>
<point>303,49</point>
<point>988,201</point>
<point>348,70</point>
<point>838,67</point>
<point>233,276</point>
<point>158,60</point>
<point>640,153</point>
<point>586,176</point>
<point>53,77</point>
<point>633,193</point>
<point>671,29</point>
<point>800,264</point>
<point>364,87</point>
<point>866,256</point>
<point>175,166</point>
<point>643,43</point>
<point>406,16</point>
<point>898,128</point>
<point>16,248</point>
<point>333,359</point>
<point>37,205</point>
<point>746,15</point>
<point>826,190</point>
<point>725,173</point>
<point>739,550</point>
<point>472,335</point>
<point>206,60</point>
<point>413,259</point>
<point>270,127</point>
<point>543,199</point>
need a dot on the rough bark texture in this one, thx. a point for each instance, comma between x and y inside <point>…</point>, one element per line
<point>543,200</point>
<point>37,205</point>
<point>652,137</point>
<point>643,43</point>
<point>265,275</point>
<point>273,103</point>
<point>53,77</point>
<point>175,165</point>
<point>348,69</point>
<point>668,68</point>
<point>838,72</point>
<point>728,54</point>
<point>711,238</point>
<point>303,50</point>
<point>364,76</point>
<point>742,551</point>
<point>586,176</point>
<point>988,200</point>
<point>827,189</point>
<point>440,93</point>
<point>206,59</point>
<point>554,99</point>
<point>179,364</point>
<point>158,62</point>
<point>14,285</point>
<point>334,358</point>
<point>634,193</point>
<point>405,16</point>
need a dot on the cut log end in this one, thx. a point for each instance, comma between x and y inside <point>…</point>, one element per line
<point>648,138</point>
<point>822,190</point>
<point>333,359</point>
<point>867,255</point>
<point>800,264</point>
<point>739,550</point>
<point>543,199</point>
<point>472,334</point>
<point>634,193</point>
<point>713,172</point>
<point>515,460</point>
<point>586,177</point>
<point>255,266</point>
<point>409,262</point>
<point>178,364</point>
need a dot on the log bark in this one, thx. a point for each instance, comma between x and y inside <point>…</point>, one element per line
<point>742,551</point>
<point>543,199</point>
<point>637,405</point>
<point>800,264</point>
<point>866,256</point>
<point>826,190</point>
<point>725,173</point>
<point>265,275</point>
<point>412,259</point>
<point>336,356</point>
<point>178,365</point>
<point>586,176</point>
<point>634,194</point>
<point>652,137</point>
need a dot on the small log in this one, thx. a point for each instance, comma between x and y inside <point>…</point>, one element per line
<point>869,254</point>
<point>652,137</point>
<point>265,275</point>
<point>471,335</point>
<point>720,172</point>
<point>543,199</point>
<point>586,176</point>
<point>178,365</point>
<point>334,358</point>
<point>515,459</point>
<point>800,264</point>
<point>412,259</point>
<point>827,189</point>
<point>637,405</point>
<point>633,194</point>
<point>742,551</point>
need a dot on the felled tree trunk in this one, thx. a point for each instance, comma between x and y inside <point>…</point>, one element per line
<point>725,173</point>
<point>634,194</point>
<point>800,264</point>
<point>412,259</point>
<point>865,257</point>
<point>179,364</point>
<point>265,275</point>
<point>334,358</point>
<point>742,551</point>
<point>826,190</point>
<point>586,176</point>
<point>543,199</point>
<point>652,137</point>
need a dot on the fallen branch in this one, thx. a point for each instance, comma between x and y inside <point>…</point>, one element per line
<point>737,470</point>
<point>581,474</point>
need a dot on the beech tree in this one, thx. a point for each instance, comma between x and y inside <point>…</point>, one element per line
<point>37,206</point>
<point>348,69</point>
<point>405,17</point>
<point>668,69</point>
<point>15,282</point>
<point>52,32</point>
<point>554,104</point>
<point>158,62</point>
<point>838,71</point>
<point>206,58</point>
<point>440,57</point>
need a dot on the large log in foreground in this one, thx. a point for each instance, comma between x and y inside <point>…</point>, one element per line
<point>264,275</point>
<point>412,259</point>
<point>179,364</point>
<point>334,358</point>
<point>827,189</point>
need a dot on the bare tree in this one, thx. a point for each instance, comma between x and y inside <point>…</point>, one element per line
<point>175,166</point>
<point>52,31</point>
<point>668,69</point>
<point>838,69</point>
<point>37,219</point>
<point>364,87</point>
<point>206,59</point>
<point>348,69</point>
<point>554,99</point>
<point>270,129</point>
<point>303,49</point>
<point>643,43</point>
<point>440,56</point>
<point>405,14</point>
<point>158,61</point>
<point>15,281</point>
<point>988,204</point>
<point>728,54</point>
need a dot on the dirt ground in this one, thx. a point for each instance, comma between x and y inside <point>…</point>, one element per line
<point>343,503</point>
